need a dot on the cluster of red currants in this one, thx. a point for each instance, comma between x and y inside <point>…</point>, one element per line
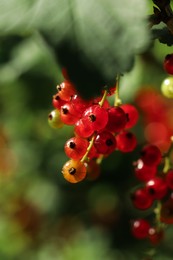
<point>99,129</point>
<point>156,190</point>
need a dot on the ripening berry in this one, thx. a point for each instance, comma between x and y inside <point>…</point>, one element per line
<point>151,155</point>
<point>140,228</point>
<point>168,64</point>
<point>141,199</point>
<point>54,119</point>
<point>156,188</point>
<point>105,142</point>
<point>74,171</point>
<point>132,115</point>
<point>144,172</point>
<point>126,142</point>
<point>167,87</point>
<point>117,119</point>
<point>66,90</point>
<point>76,147</point>
<point>96,117</point>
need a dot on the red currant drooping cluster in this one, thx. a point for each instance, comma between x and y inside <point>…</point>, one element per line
<point>99,129</point>
<point>156,189</point>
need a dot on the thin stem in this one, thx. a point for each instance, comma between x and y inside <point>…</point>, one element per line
<point>99,159</point>
<point>167,164</point>
<point>103,98</point>
<point>157,214</point>
<point>117,101</point>
<point>88,149</point>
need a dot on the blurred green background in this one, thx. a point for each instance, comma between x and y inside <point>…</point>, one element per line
<point>42,217</point>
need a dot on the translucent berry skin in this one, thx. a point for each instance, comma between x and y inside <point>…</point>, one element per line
<point>140,228</point>
<point>83,129</point>
<point>168,64</point>
<point>66,90</point>
<point>76,147</point>
<point>105,142</point>
<point>151,155</point>
<point>96,117</point>
<point>141,199</point>
<point>54,119</point>
<point>57,102</point>
<point>126,142</point>
<point>74,171</point>
<point>169,179</point>
<point>67,114</point>
<point>167,87</point>
<point>156,188</point>
<point>144,172</point>
<point>117,119</point>
<point>132,115</point>
<point>79,105</point>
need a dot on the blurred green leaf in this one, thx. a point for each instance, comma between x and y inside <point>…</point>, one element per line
<point>94,40</point>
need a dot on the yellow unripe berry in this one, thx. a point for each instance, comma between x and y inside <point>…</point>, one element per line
<point>167,87</point>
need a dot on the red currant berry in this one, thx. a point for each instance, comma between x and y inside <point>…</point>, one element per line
<point>66,90</point>
<point>155,236</point>
<point>57,102</point>
<point>78,104</point>
<point>68,115</point>
<point>156,188</point>
<point>83,129</point>
<point>141,199</point>
<point>132,115</point>
<point>144,172</point>
<point>151,155</point>
<point>126,142</point>
<point>117,119</point>
<point>74,171</point>
<point>54,119</point>
<point>105,142</point>
<point>168,64</point>
<point>169,179</point>
<point>105,103</point>
<point>96,117</point>
<point>76,147</point>
<point>140,228</point>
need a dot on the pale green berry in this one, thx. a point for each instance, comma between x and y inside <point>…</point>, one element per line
<point>167,87</point>
<point>54,119</point>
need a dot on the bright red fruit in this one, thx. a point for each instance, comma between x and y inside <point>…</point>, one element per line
<point>66,90</point>
<point>126,141</point>
<point>57,102</point>
<point>132,115</point>
<point>117,119</point>
<point>168,64</point>
<point>96,117</point>
<point>105,142</point>
<point>141,199</point>
<point>155,236</point>
<point>68,115</point>
<point>76,147</point>
<point>151,155</point>
<point>83,129</point>
<point>140,228</point>
<point>144,172</point>
<point>156,188</point>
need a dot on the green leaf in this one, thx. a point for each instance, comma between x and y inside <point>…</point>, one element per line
<point>94,40</point>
